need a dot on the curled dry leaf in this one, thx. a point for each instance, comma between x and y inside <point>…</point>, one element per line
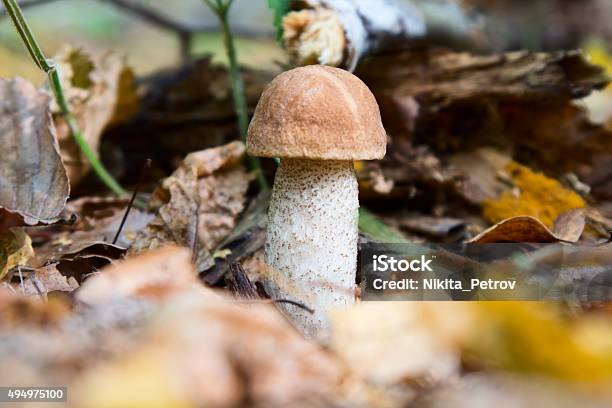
<point>202,199</point>
<point>155,274</point>
<point>80,259</point>
<point>99,219</point>
<point>85,247</point>
<point>33,182</point>
<point>44,280</point>
<point>570,225</point>
<point>568,228</point>
<point>100,91</point>
<point>230,353</point>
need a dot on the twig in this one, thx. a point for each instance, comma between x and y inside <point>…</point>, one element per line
<point>239,284</point>
<point>294,303</point>
<point>274,301</point>
<point>49,68</point>
<point>221,10</point>
<point>132,199</point>
<point>36,285</point>
<point>21,279</point>
<point>196,234</point>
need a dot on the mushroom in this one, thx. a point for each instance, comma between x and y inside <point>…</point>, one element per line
<point>317,119</point>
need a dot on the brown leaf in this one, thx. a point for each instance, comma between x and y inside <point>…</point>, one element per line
<point>33,183</point>
<point>100,91</point>
<point>86,246</point>
<point>480,168</point>
<point>99,219</point>
<point>569,225</point>
<point>43,280</point>
<point>20,312</point>
<point>202,198</point>
<point>155,274</point>
<point>212,352</point>
<point>525,229</point>
<point>245,240</point>
<point>82,258</point>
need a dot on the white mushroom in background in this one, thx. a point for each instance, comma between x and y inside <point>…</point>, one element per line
<point>317,119</point>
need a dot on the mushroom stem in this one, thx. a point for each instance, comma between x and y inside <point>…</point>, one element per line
<point>311,242</point>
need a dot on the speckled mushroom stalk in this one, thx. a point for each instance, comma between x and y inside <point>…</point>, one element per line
<point>311,243</point>
<point>318,120</point>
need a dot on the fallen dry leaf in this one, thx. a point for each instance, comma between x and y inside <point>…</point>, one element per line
<point>19,312</point>
<point>43,280</point>
<point>388,343</point>
<point>15,250</point>
<point>247,238</point>
<point>79,259</point>
<point>202,198</point>
<point>100,91</point>
<point>230,353</point>
<point>570,225</point>
<point>522,229</point>
<point>155,274</point>
<point>480,168</point>
<point>33,182</point>
<point>99,219</point>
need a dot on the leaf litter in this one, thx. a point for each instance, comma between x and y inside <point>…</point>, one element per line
<point>138,321</point>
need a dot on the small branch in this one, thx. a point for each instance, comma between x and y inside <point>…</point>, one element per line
<point>144,171</point>
<point>294,303</point>
<point>239,284</point>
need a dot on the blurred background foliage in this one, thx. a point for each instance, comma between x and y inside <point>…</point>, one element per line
<point>98,25</point>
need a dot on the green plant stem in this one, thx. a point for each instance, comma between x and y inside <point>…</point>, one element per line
<point>221,9</point>
<point>49,68</point>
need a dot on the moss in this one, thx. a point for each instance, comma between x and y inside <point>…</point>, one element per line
<point>535,195</point>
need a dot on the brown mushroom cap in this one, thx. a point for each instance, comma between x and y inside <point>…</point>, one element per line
<point>317,112</point>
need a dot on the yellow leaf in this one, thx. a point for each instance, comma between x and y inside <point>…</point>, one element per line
<point>15,250</point>
<point>535,195</point>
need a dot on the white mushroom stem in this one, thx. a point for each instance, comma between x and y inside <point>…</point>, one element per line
<point>311,242</point>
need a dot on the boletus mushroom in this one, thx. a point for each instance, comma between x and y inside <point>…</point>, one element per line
<point>317,120</point>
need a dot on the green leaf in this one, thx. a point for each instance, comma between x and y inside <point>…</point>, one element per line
<point>280,8</point>
<point>371,226</point>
